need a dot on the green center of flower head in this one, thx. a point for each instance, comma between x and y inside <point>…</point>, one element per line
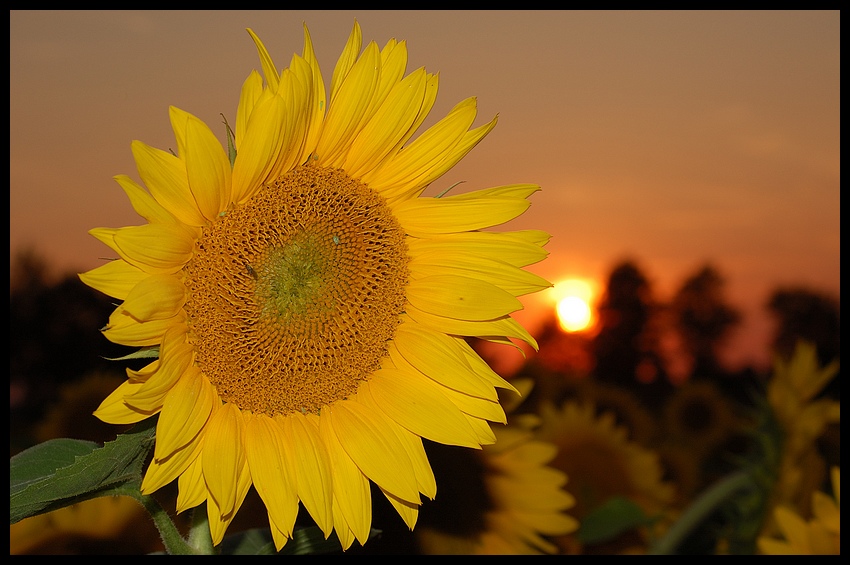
<point>291,279</point>
<point>292,297</point>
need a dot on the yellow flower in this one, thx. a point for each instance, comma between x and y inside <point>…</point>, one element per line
<point>524,499</point>
<point>699,417</point>
<point>803,419</point>
<point>92,525</point>
<point>821,535</point>
<point>309,306</point>
<point>600,461</point>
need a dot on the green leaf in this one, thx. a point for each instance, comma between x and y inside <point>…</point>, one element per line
<point>62,472</point>
<point>143,353</point>
<point>611,519</point>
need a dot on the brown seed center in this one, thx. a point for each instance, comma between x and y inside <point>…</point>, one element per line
<point>293,296</point>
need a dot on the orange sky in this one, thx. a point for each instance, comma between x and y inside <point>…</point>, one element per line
<point>673,138</point>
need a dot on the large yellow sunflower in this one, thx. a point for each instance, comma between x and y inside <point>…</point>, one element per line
<point>309,306</point>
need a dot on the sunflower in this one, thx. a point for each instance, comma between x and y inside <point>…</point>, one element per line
<point>821,535</point>
<point>308,305</point>
<point>600,461</point>
<point>506,499</point>
<point>802,418</point>
<point>700,417</point>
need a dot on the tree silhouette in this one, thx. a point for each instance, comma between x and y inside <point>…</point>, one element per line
<point>626,349</point>
<point>704,320</point>
<point>54,336</point>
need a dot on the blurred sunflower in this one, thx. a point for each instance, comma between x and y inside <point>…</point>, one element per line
<point>820,535</point>
<point>108,524</point>
<point>626,407</point>
<point>600,461</point>
<point>521,500</point>
<point>308,305</point>
<point>791,395</point>
<point>700,417</point>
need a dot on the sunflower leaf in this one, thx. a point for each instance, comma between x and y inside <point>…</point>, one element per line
<point>61,472</point>
<point>611,519</point>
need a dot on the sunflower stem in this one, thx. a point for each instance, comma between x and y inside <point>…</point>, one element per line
<point>168,532</point>
<point>699,510</point>
<point>199,534</point>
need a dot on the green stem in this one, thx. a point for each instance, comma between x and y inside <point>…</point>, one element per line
<point>171,538</point>
<point>699,510</point>
<point>199,534</point>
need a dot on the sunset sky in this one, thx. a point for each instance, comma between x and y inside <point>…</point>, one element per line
<point>670,138</point>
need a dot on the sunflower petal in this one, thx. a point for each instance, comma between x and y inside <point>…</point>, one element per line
<point>368,440</point>
<point>115,278</point>
<point>425,217</point>
<point>461,298</point>
<point>270,472</point>
<point>165,176</point>
<point>143,203</point>
<point>312,468</point>
<point>154,248</point>
<point>155,298</point>
<point>184,412</point>
<point>352,497</point>
<point>224,456</point>
<point>207,166</point>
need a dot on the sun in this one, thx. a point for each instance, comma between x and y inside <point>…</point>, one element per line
<point>573,304</point>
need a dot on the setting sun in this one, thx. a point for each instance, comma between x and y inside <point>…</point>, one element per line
<point>573,300</point>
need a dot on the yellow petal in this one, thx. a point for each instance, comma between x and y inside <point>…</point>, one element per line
<point>115,278</point>
<point>504,275</point>
<point>312,468</point>
<point>425,217</point>
<point>425,481</point>
<point>113,409</point>
<point>223,456</point>
<point>161,472</point>
<point>317,103</point>
<point>184,412</point>
<point>143,203</point>
<point>352,496</point>
<point>508,247</point>
<point>347,59</point>
<point>368,439</point>
<point>126,330</point>
<point>165,176</point>
<point>252,89</point>
<point>491,329</point>
<point>436,354</point>
<point>417,404</point>
<point>343,533</point>
<point>347,109</point>
<point>219,521</point>
<point>461,298</point>
<point>414,162</point>
<point>155,298</point>
<point>259,149</point>
<point>269,70</point>
<point>190,485</point>
<point>175,357</point>
<point>408,511</point>
<point>154,248</point>
<point>479,407</point>
<point>270,472</point>
<point>388,126</point>
<point>207,166</point>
